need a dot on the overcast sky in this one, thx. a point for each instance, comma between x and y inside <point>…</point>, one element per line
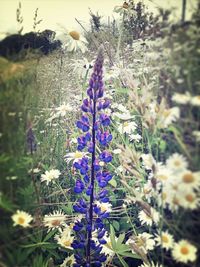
<point>64,12</point>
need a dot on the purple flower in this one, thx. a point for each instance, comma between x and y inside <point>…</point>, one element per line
<point>103,178</point>
<point>105,156</point>
<point>79,187</point>
<point>83,140</point>
<point>82,165</point>
<point>104,119</point>
<point>96,165</point>
<point>78,226</point>
<point>81,206</point>
<point>83,124</point>
<point>103,104</point>
<point>92,173</point>
<point>104,137</point>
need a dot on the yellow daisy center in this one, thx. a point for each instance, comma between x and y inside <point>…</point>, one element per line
<point>166,113</point>
<point>78,155</point>
<point>67,243</point>
<point>56,222</point>
<point>164,239</point>
<point>184,250</point>
<point>140,242</point>
<point>190,198</point>
<point>162,177</point>
<point>125,124</point>
<point>103,208</point>
<point>75,35</point>
<point>21,220</point>
<point>177,163</point>
<point>188,178</point>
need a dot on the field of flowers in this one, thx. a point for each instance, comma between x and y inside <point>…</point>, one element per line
<point>100,147</point>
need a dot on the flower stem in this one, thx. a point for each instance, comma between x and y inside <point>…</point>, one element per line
<point>92,183</point>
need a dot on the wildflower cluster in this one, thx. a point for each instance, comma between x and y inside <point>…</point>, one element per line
<point>90,173</point>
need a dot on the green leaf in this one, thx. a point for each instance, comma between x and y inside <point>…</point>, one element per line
<point>112,238</point>
<point>113,182</point>
<point>130,255</point>
<point>122,261</point>
<point>39,244</point>
<point>120,239</point>
<point>116,225</point>
<point>122,248</point>
<point>6,204</point>
<point>67,209</point>
<point>49,235</point>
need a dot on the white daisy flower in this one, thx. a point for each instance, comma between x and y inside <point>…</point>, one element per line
<point>120,107</point>
<point>69,261</point>
<point>165,240</point>
<point>189,179</point>
<point>177,162</point>
<point>124,9</point>
<point>75,156</point>
<point>148,161</point>
<point>63,110</point>
<point>184,251</point>
<point>149,218</point>
<point>135,137</point>
<point>105,207</point>
<point>190,200</point>
<point>195,101</point>
<point>55,220</point>
<point>74,41</point>
<point>141,243</point>
<point>50,176</point>
<point>196,135</point>
<point>22,218</point>
<point>127,127</point>
<point>163,174</point>
<point>168,116</point>
<point>65,238</point>
<point>82,67</point>
<point>181,98</point>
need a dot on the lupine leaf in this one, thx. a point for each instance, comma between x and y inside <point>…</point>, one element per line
<point>112,237</point>
<point>113,182</point>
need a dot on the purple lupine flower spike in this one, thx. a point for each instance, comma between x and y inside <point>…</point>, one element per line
<point>92,123</point>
